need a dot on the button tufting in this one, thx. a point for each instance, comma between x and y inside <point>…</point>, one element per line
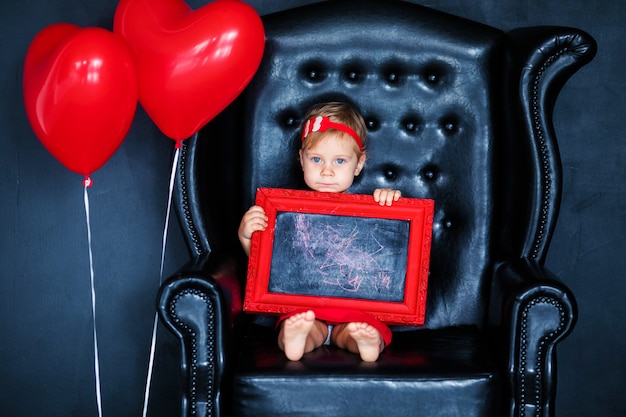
<point>313,73</point>
<point>393,73</point>
<point>353,76</point>
<point>449,125</point>
<point>430,173</point>
<point>390,173</point>
<point>394,78</point>
<point>411,124</point>
<point>289,121</point>
<point>435,74</point>
<point>371,124</point>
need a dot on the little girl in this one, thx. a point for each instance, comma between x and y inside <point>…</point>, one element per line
<point>332,154</point>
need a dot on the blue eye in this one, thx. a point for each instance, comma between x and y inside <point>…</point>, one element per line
<point>316,159</point>
<point>340,161</point>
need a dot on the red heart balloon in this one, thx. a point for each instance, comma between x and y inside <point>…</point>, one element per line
<point>80,93</point>
<point>190,64</point>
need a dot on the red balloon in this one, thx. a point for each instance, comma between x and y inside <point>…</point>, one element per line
<point>80,93</point>
<point>190,64</point>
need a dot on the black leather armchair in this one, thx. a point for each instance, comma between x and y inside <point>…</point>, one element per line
<point>456,111</point>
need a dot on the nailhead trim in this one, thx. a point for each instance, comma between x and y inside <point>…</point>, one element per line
<point>546,341</point>
<point>544,154</point>
<point>186,206</point>
<point>193,345</point>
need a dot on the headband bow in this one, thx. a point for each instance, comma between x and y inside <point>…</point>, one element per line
<point>323,123</point>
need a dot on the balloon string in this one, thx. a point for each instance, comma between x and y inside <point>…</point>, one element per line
<point>167,214</point>
<point>146,397</point>
<point>87,184</point>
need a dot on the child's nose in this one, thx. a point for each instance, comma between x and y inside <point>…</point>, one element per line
<point>327,170</point>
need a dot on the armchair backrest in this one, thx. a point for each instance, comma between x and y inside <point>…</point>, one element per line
<point>450,115</point>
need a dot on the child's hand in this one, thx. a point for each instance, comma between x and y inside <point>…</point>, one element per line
<point>253,220</point>
<point>386,196</point>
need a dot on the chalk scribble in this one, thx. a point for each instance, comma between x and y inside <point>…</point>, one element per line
<point>343,255</point>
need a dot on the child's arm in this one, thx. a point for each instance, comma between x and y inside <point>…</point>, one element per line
<point>386,196</point>
<point>253,220</point>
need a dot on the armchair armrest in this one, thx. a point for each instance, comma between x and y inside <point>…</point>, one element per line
<point>532,311</point>
<point>200,305</point>
<point>545,58</point>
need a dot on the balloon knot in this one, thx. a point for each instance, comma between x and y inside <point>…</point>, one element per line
<point>87,182</point>
<point>179,143</point>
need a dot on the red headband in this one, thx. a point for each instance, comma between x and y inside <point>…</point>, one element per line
<point>323,123</point>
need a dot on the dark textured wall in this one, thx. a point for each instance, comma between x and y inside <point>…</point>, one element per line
<point>46,348</point>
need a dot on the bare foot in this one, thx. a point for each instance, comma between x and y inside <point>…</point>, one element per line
<point>296,329</point>
<point>368,340</point>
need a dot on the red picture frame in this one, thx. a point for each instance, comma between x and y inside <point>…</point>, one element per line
<point>346,247</point>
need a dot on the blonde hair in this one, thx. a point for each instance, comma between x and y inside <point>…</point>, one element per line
<point>338,112</point>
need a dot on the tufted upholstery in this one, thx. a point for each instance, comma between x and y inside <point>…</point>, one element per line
<point>456,111</point>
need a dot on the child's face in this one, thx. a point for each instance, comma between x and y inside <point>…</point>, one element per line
<point>331,164</point>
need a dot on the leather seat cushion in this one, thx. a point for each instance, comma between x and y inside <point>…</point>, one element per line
<point>444,372</point>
